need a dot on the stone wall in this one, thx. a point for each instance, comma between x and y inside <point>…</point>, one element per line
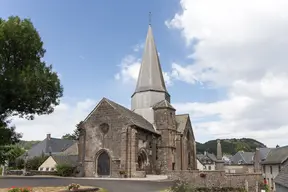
<point>218,179</point>
<point>30,172</point>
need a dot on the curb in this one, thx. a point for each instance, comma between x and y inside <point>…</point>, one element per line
<point>86,178</point>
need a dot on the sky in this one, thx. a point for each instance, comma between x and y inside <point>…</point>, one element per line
<point>224,62</point>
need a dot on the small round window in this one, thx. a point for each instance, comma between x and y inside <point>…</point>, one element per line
<point>104,127</point>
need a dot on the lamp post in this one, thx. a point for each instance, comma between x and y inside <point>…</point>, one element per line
<point>25,163</point>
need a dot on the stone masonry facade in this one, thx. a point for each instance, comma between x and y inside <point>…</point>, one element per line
<point>148,139</point>
<point>128,146</point>
<point>250,181</point>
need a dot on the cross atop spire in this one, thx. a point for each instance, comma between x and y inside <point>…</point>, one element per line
<point>150,18</point>
<point>150,76</point>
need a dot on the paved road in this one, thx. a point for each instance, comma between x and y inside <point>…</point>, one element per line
<point>110,185</point>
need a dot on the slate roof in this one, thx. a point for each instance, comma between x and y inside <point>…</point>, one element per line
<point>150,74</point>
<point>277,155</point>
<point>203,158</point>
<point>72,150</point>
<point>181,121</point>
<point>244,157</point>
<point>263,152</point>
<point>66,159</point>
<point>136,119</point>
<point>282,177</point>
<point>163,104</point>
<point>52,145</point>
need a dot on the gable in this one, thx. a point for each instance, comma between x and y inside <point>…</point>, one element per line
<point>184,125</point>
<point>132,118</point>
<point>48,163</point>
<point>103,109</point>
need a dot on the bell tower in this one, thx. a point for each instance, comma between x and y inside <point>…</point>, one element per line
<point>150,88</point>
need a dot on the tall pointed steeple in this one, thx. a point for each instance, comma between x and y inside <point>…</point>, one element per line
<point>150,76</point>
<point>150,88</point>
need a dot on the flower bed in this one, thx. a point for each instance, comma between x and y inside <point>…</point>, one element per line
<point>22,189</point>
<point>52,189</point>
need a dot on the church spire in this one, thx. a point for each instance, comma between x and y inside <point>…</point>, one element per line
<point>150,76</point>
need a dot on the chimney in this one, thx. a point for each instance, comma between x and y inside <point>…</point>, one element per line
<point>48,136</point>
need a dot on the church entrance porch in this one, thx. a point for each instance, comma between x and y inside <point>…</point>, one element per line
<point>142,161</point>
<point>103,165</point>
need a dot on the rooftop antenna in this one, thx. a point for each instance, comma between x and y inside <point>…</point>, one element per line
<point>150,17</point>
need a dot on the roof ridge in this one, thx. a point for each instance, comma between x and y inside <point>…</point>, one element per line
<point>130,119</point>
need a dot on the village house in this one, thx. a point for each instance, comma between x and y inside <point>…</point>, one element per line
<point>206,161</point>
<point>49,146</point>
<point>275,161</point>
<point>241,162</point>
<point>54,160</point>
<point>281,180</point>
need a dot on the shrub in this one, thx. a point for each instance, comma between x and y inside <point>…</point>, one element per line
<point>65,170</point>
<point>35,162</point>
<point>19,163</point>
<point>182,186</point>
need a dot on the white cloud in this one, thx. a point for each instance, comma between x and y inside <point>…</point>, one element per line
<point>138,47</point>
<point>129,70</point>
<point>63,120</point>
<point>242,47</point>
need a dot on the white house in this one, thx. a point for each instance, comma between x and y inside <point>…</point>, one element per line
<point>52,161</point>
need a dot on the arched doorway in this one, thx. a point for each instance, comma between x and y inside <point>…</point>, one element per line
<point>103,164</point>
<point>142,160</point>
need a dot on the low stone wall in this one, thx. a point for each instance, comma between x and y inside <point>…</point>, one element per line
<point>218,179</point>
<point>30,172</point>
<point>35,172</point>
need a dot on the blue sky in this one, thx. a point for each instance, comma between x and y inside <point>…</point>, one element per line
<point>88,42</point>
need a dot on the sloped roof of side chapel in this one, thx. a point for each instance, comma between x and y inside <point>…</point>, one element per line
<point>134,118</point>
<point>182,120</point>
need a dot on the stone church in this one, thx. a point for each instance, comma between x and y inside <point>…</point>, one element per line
<point>149,138</point>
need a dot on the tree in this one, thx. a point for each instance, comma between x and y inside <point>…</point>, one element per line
<point>69,136</point>
<point>8,137</point>
<point>75,135</point>
<point>35,162</point>
<point>28,86</point>
<point>14,152</point>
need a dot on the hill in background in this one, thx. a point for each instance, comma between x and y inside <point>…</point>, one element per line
<point>229,146</point>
